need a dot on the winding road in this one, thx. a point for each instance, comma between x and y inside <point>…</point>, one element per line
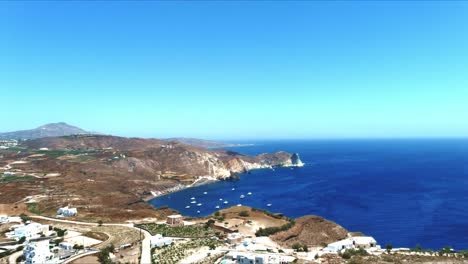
<point>145,243</point>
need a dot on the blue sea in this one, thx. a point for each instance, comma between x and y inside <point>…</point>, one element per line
<point>404,192</point>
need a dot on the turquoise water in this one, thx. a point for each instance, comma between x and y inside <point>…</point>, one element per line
<point>404,192</point>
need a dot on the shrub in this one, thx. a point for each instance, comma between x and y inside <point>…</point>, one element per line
<point>300,247</point>
<point>244,214</point>
<point>25,218</point>
<point>389,247</point>
<point>103,255</point>
<point>354,252</point>
<point>60,232</point>
<point>273,230</point>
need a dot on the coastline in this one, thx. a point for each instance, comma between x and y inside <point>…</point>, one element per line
<point>203,180</point>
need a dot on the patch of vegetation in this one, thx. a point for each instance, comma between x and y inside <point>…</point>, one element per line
<point>25,217</point>
<point>244,214</point>
<point>176,252</point>
<point>34,208</point>
<point>13,178</point>
<point>193,231</point>
<point>96,235</point>
<point>103,255</point>
<point>60,232</point>
<point>299,247</point>
<point>273,230</point>
<point>354,252</point>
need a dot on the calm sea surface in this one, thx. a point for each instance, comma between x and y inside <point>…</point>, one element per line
<point>403,192</point>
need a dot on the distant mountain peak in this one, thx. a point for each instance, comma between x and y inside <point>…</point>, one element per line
<point>47,130</point>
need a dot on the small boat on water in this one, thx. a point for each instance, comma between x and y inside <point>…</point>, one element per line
<point>220,199</point>
<point>225,202</point>
<point>249,193</point>
<point>239,205</point>
<point>217,207</point>
<point>205,193</point>
<point>242,196</point>
<point>193,202</point>
<point>233,189</point>
<point>269,205</point>
<point>188,206</point>
<point>193,198</point>
<point>198,212</point>
<point>199,204</point>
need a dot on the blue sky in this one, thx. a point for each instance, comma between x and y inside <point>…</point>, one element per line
<point>227,70</point>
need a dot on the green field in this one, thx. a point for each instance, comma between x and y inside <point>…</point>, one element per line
<point>193,231</point>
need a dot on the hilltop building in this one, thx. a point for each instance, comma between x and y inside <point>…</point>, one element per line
<point>67,211</point>
<point>364,242</point>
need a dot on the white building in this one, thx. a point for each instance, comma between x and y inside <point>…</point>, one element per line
<point>33,230</point>
<point>66,246</point>
<point>3,219</point>
<point>352,242</point>
<point>257,258</point>
<point>337,246</point>
<point>38,253</point>
<point>67,211</point>
<point>234,238</point>
<point>364,242</point>
<point>159,241</point>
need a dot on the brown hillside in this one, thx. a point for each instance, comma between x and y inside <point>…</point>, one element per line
<point>312,231</point>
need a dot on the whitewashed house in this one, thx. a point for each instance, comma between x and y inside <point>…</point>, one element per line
<point>38,253</point>
<point>337,246</point>
<point>33,230</point>
<point>67,211</point>
<point>257,258</point>
<point>159,241</point>
<point>364,242</point>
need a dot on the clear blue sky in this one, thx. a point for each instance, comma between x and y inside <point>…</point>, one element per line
<point>237,69</point>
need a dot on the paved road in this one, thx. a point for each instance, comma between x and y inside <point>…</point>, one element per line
<point>146,248</point>
<point>145,244</point>
<point>13,257</point>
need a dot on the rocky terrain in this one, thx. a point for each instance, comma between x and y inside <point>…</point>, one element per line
<point>312,231</point>
<point>48,130</point>
<point>112,176</point>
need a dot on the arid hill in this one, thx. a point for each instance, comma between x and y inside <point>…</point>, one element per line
<point>112,176</point>
<point>48,130</point>
<point>312,231</point>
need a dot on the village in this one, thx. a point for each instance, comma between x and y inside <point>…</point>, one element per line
<point>176,239</point>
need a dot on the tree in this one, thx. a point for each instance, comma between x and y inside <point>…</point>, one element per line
<point>389,247</point>
<point>209,223</point>
<point>22,239</point>
<point>100,223</point>
<point>418,248</point>
<point>25,218</point>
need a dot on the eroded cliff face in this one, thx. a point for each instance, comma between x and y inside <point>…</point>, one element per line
<point>185,164</point>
